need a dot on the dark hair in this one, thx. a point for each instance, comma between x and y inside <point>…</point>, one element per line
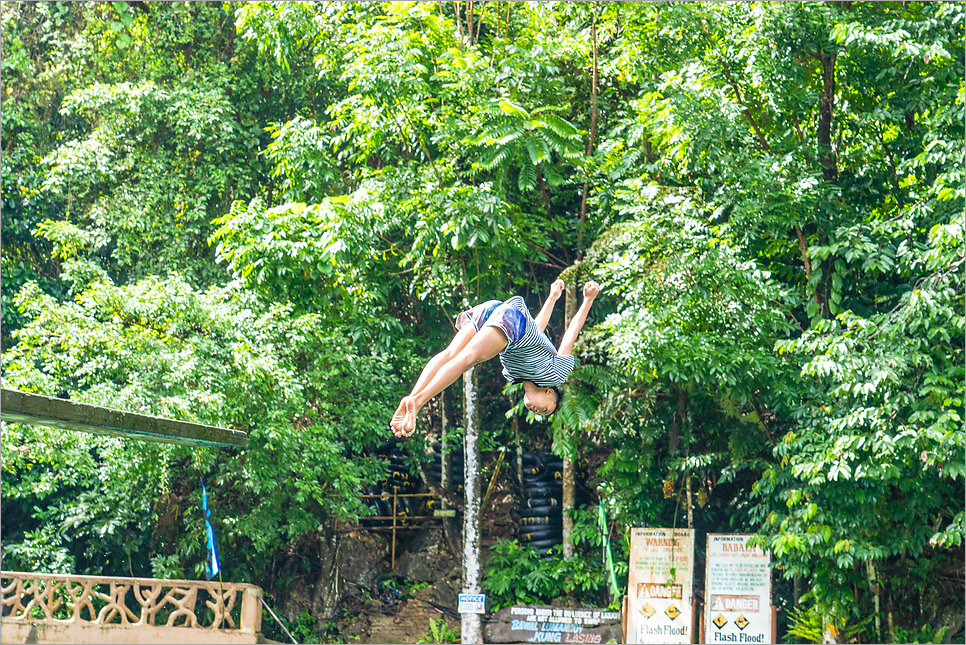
<point>558,397</point>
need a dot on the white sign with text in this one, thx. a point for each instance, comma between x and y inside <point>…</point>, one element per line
<point>660,576</point>
<point>472,603</point>
<point>737,593</point>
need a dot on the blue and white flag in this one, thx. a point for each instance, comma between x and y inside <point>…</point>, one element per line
<point>212,565</point>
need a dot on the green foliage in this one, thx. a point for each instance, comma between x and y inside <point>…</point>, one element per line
<point>807,625</point>
<point>518,574</point>
<point>221,357</point>
<point>439,632</point>
<point>927,634</point>
<point>265,214</point>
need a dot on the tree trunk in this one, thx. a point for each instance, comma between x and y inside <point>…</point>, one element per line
<point>570,308</point>
<point>470,627</point>
<point>874,586</point>
<point>450,530</point>
<point>687,488</point>
<point>826,155</point>
<point>831,634</point>
<point>674,432</point>
<point>325,596</point>
<point>590,141</point>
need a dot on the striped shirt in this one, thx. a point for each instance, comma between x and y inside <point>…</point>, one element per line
<point>531,356</point>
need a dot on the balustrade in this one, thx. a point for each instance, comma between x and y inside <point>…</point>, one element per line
<point>38,607</point>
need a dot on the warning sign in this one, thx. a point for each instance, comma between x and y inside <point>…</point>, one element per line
<point>738,589</point>
<point>735,603</point>
<point>659,583</point>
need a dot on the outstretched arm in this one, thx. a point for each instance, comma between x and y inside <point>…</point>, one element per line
<point>543,318</point>
<point>591,289</point>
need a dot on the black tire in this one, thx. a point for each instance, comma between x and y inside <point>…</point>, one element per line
<point>542,511</point>
<point>530,480</point>
<point>542,489</point>
<point>403,507</point>
<point>545,545</point>
<point>547,533</point>
<point>541,521</point>
<point>386,446</point>
<point>539,502</point>
<point>385,509</point>
<point>543,500</point>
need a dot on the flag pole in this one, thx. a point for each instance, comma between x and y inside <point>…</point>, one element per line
<point>221,596</point>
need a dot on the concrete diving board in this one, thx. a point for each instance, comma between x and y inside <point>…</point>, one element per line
<point>34,409</point>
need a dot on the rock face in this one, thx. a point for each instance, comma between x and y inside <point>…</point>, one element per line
<point>426,560</point>
<point>355,591</point>
<point>350,562</point>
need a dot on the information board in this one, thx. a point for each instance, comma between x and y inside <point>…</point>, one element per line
<point>660,576</point>
<point>737,591</point>
<point>543,624</point>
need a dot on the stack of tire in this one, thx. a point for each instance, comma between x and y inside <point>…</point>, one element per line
<point>538,507</point>
<point>454,461</point>
<point>400,476</point>
<point>434,470</point>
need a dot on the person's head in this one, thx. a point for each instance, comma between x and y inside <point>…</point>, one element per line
<point>541,399</point>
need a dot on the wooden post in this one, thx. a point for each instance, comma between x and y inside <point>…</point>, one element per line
<point>624,619</point>
<point>701,623</point>
<point>470,631</point>
<point>394,490</point>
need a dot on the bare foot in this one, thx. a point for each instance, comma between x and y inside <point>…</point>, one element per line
<point>398,418</point>
<point>408,425</point>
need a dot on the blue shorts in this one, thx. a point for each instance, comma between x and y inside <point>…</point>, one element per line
<point>496,313</point>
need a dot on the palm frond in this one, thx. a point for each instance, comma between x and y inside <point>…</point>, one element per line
<point>536,154</point>
<point>561,128</point>
<point>528,178</point>
<point>513,109</point>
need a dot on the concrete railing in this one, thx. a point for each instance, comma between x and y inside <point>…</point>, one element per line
<point>47,608</point>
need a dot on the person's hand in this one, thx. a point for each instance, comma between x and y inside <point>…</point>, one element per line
<point>591,289</point>
<point>556,289</point>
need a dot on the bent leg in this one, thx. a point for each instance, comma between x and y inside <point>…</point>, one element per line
<point>483,346</point>
<point>456,345</point>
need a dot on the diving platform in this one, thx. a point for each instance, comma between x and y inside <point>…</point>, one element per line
<point>35,409</point>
